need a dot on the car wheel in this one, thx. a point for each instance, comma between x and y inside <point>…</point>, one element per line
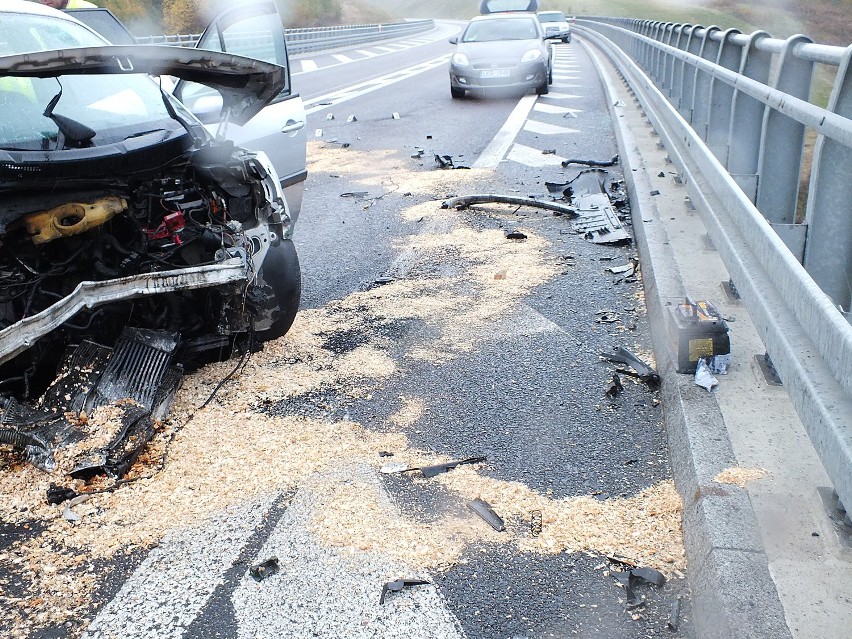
<point>543,89</point>
<point>550,77</point>
<point>282,273</point>
<point>566,40</point>
<point>457,94</point>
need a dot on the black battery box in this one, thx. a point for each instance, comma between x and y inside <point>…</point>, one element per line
<point>696,330</point>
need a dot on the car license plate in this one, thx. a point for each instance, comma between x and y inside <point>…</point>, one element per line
<point>496,73</point>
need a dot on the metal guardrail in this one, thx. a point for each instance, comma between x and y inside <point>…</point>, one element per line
<point>317,39</point>
<point>732,111</point>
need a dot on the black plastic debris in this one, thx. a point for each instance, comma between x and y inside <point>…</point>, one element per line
<point>484,510</point>
<point>674,616</point>
<point>536,523</point>
<point>468,200</point>
<point>644,372</point>
<point>384,453</point>
<point>135,377</point>
<point>446,162</point>
<point>265,569</point>
<point>356,194</point>
<point>615,388</point>
<point>596,163</point>
<point>655,192</point>
<point>516,235</point>
<point>634,577</point>
<point>58,494</point>
<point>418,154</point>
<point>437,469</point>
<point>398,585</point>
<point>381,281</point>
<point>549,152</point>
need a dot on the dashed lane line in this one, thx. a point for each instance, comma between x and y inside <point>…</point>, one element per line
<point>552,109</point>
<point>502,142</point>
<point>344,95</point>
<point>543,128</point>
<point>308,66</point>
<point>531,157</point>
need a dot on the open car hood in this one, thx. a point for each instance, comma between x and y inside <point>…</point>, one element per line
<point>246,85</point>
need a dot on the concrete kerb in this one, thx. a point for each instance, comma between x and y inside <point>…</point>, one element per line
<point>734,596</point>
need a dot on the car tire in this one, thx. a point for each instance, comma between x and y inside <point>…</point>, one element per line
<point>457,94</point>
<point>566,40</point>
<point>543,89</point>
<point>282,273</point>
<point>550,77</point>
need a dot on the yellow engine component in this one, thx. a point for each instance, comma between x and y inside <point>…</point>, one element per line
<point>72,219</point>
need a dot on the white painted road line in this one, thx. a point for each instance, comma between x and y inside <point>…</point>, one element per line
<point>502,142</point>
<point>366,53</point>
<point>552,109</point>
<point>308,66</point>
<point>561,96</point>
<point>341,58</point>
<point>543,128</point>
<point>330,99</point>
<point>531,157</point>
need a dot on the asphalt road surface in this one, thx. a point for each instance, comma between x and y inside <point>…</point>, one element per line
<point>426,335</point>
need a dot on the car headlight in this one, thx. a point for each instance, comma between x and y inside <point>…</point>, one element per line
<point>531,56</point>
<point>460,59</point>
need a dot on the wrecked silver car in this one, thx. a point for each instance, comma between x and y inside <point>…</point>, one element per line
<point>133,243</point>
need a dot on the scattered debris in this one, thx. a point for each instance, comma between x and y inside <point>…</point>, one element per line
<point>468,200</point>
<point>500,275</point>
<point>636,577</point>
<point>484,510</point>
<point>615,388</point>
<point>704,377</point>
<point>384,453</point>
<point>607,317</point>
<point>398,585</point>
<point>596,163</point>
<point>516,235</point>
<point>394,468</point>
<point>382,281</point>
<point>661,174</point>
<point>644,372</point>
<point>674,616</point>
<point>70,515</point>
<point>265,569</point>
<point>318,133</point>
<point>446,162</point>
<point>103,407</point>
<point>395,116</point>
<point>330,116</point>
<point>740,476</point>
<point>549,152</point>
<point>58,494</point>
<point>437,469</point>
<point>419,154</point>
<point>356,194</point>
<point>536,523</point>
<point>655,192</point>
<point>351,119</point>
<point>587,191</point>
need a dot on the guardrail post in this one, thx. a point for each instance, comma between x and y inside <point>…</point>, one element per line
<point>722,98</point>
<point>660,70</point>
<point>693,46</point>
<point>783,142</point>
<point>679,66</point>
<point>828,252</point>
<point>702,84</point>
<point>747,118</point>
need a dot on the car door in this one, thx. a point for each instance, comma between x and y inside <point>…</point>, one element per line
<point>255,30</point>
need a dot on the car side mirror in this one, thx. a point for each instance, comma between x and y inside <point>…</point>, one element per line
<point>207,108</point>
<point>454,40</point>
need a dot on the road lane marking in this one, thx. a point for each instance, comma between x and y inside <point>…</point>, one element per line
<point>344,95</point>
<point>308,66</point>
<point>543,128</point>
<point>531,157</point>
<point>561,96</point>
<point>341,58</point>
<point>502,142</point>
<point>552,109</point>
<point>366,53</point>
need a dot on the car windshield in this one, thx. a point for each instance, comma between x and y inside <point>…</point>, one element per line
<point>500,29</point>
<point>116,107</point>
<point>551,16</point>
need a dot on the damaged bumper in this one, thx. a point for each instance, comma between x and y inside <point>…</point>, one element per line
<point>20,336</point>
